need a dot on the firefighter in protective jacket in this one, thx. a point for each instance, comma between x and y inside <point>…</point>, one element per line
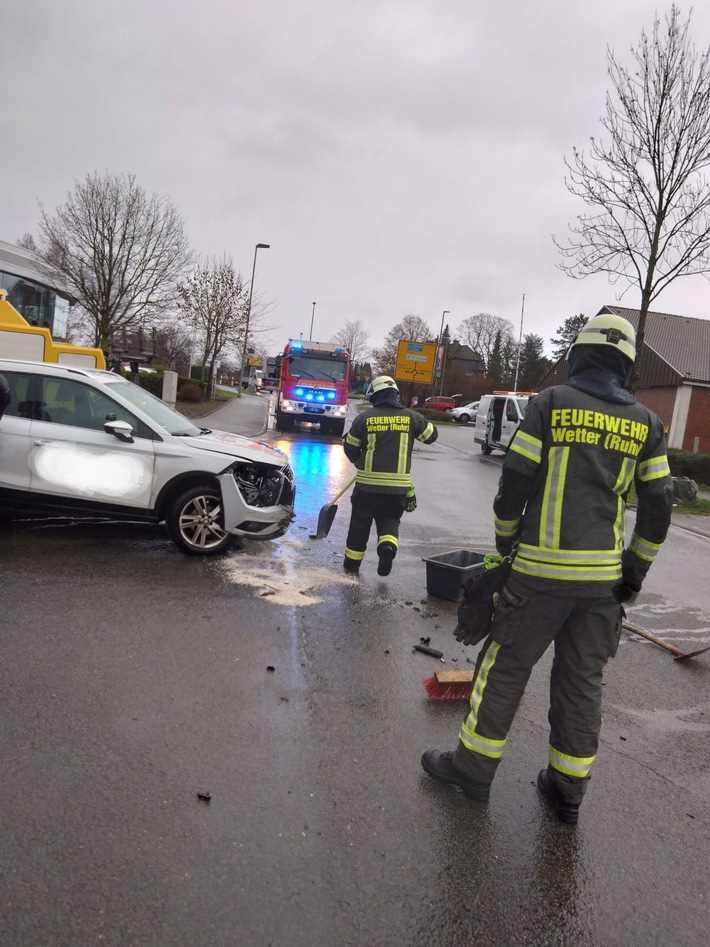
<point>380,443</point>
<point>562,502</point>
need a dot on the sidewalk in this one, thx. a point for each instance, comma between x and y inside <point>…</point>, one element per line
<point>246,415</point>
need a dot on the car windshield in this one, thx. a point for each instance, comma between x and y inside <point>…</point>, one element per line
<point>522,404</point>
<point>323,369</point>
<point>164,416</point>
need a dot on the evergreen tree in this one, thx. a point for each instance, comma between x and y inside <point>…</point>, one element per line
<point>566,334</point>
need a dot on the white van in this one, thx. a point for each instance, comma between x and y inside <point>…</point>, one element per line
<point>498,418</point>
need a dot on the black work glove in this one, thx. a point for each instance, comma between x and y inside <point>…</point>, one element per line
<point>504,546</point>
<point>410,501</point>
<point>627,594</point>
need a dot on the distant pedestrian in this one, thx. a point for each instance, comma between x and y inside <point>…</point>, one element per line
<point>380,443</point>
<point>562,500</point>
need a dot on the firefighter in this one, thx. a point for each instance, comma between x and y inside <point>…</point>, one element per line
<point>560,504</point>
<point>380,443</point>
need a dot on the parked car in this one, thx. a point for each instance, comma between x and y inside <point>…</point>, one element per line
<point>83,442</point>
<point>498,418</point>
<point>464,413</point>
<point>439,403</point>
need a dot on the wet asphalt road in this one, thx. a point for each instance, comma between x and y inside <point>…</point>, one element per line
<point>134,678</point>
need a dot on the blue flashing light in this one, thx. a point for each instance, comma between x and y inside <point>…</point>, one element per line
<point>299,391</point>
<point>320,398</point>
<point>309,396</point>
<point>331,394</point>
<point>296,345</point>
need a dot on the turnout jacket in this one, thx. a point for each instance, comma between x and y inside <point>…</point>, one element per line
<point>380,442</point>
<point>569,469</point>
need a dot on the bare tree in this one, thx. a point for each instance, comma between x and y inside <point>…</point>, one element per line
<point>27,242</point>
<point>650,218</point>
<point>213,302</point>
<point>174,344</point>
<point>481,332</point>
<point>353,337</point>
<point>117,251</point>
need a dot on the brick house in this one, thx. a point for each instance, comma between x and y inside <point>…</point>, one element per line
<point>674,374</point>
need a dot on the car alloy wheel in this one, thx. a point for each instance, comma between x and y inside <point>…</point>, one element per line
<point>464,419</point>
<point>196,523</point>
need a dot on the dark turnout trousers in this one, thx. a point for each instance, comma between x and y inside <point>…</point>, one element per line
<point>586,633</point>
<point>385,509</point>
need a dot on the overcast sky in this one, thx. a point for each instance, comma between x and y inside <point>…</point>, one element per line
<point>399,156</point>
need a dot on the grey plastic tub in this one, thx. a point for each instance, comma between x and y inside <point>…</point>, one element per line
<point>446,573</point>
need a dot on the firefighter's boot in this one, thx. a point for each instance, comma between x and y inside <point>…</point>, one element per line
<point>565,811</point>
<point>386,553</point>
<point>441,766</point>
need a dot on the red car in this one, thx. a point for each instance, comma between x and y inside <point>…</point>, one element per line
<point>439,403</point>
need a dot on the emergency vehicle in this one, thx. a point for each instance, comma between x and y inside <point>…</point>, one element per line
<point>313,385</point>
<point>498,418</point>
<point>22,342</point>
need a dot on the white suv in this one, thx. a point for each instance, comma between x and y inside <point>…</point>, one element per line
<point>83,442</point>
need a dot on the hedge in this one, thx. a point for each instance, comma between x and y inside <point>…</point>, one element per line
<point>154,383</point>
<point>686,464</point>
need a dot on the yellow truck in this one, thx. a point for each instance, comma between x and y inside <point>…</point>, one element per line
<point>25,343</point>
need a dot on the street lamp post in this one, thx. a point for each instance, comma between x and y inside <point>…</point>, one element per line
<point>310,334</point>
<point>259,246</point>
<point>443,355</point>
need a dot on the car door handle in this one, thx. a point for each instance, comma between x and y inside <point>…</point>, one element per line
<point>40,443</point>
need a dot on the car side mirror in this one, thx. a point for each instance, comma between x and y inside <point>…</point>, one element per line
<point>120,429</point>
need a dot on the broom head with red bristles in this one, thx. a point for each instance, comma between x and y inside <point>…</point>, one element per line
<point>449,685</point>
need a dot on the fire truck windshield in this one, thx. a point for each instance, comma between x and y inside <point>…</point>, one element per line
<point>321,369</point>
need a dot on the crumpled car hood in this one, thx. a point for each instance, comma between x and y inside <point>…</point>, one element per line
<point>221,442</point>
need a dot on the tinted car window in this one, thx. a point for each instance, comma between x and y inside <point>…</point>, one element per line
<point>70,402</point>
<point>21,406</point>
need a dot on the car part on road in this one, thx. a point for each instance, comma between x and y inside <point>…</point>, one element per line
<point>676,652</point>
<point>327,513</point>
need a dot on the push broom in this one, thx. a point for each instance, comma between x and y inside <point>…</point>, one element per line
<point>456,685</point>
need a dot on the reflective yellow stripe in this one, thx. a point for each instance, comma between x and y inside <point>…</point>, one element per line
<point>527,446</point>
<point>382,479</point>
<point>576,557</point>
<point>402,453</point>
<point>544,570</point>
<point>387,538</point>
<point>654,468</point>
<point>578,766</point>
<point>354,553</point>
<point>505,527</point>
<point>468,736</point>
<point>369,453</point>
<point>427,432</point>
<point>353,441</point>
<point>551,513</point>
<point>623,482</point>
<point>644,548</point>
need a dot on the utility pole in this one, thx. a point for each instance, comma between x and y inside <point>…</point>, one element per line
<point>443,354</point>
<point>259,246</point>
<point>520,342</point>
<point>313,312</point>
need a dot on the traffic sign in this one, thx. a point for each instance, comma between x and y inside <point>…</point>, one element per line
<point>415,362</point>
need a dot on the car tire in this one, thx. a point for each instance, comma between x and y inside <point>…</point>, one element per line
<point>464,419</point>
<point>195,522</point>
<point>486,449</point>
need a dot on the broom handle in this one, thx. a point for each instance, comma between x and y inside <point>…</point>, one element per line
<point>346,487</point>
